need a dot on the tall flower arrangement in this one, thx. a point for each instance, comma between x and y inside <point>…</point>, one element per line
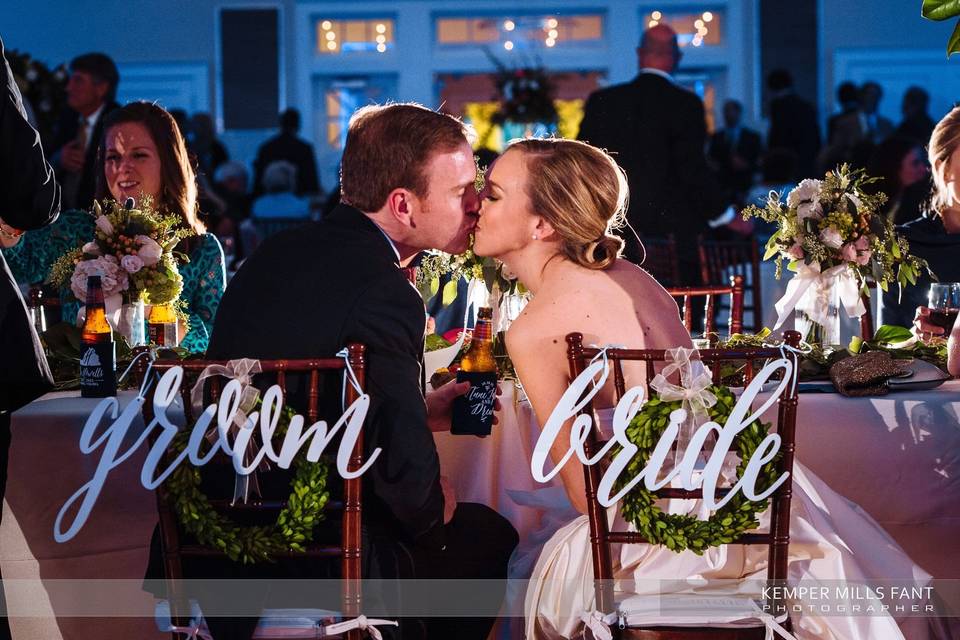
<point>832,235</point>
<point>133,252</point>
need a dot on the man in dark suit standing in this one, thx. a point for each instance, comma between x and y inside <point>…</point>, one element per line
<point>407,184</point>
<point>29,199</point>
<point>91,95</point>
<point>793,123</point>
<point>657,133</point>
<point>288,146</point>
<point>735,153</point>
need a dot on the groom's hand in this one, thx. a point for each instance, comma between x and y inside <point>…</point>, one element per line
<point>449,499</point>
<point>440,404</point>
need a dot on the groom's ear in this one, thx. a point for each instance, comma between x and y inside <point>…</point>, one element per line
<point>401,205</point>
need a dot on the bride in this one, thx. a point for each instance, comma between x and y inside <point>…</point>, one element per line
<point>548,211</point>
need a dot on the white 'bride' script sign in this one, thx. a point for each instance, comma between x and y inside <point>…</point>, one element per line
<point>577,396</point>
<point>112,439</point>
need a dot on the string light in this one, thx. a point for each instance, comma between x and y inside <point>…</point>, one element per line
<point>381,47</point>
<point>331,35</point>
<point>326,25</point>
<point>550,42</point>
<point>331,45</point>
<point>656,15</point>
<point>508,25</point>
<point>552,23</point>
<point>698,24</point>
<point>553,34</point>
<point>508,45</point>
<point>381,28</point>
<point>652,24</point>
<point>707,16</point>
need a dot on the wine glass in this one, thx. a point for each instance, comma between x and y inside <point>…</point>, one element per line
<point>944,302</point>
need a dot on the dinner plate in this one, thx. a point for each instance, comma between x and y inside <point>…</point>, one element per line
<point>924,376</point>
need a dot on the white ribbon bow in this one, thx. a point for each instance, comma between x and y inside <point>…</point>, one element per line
<point>809,291</point>
<point>241,370</point>
<point>693,391</point>
<point>773,627</point>
<point>598,624</point>
<point>362,623</point>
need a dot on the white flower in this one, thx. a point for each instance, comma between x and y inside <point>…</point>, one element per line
<point>104,225</point>
<point>149,250</point>
<point>831,237</point>
<point>131,264</point>
<point>809,210</point>
<point>91,248</point>
<point>807,191</point>
<point>855,200</point>
<point>112,277</point>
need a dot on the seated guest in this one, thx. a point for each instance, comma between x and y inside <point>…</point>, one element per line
<point>935,237</point>
<point>142,154</point>
<point>279,181</point>
<point>287,145</point>
<point>923,327</point>
<point>407,183</point>
<point>901,166</point>
<point>916,123</point>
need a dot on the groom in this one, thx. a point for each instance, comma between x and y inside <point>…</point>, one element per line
<point>407,184</point>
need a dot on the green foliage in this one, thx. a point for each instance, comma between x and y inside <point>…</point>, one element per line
<point>681,532</point>
<point>944,10</point>
<point>295,524</point>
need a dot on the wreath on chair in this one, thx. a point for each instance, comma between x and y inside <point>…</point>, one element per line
<point>295,524</point>
<point>682,532</point>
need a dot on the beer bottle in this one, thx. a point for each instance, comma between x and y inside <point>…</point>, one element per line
<point>473,411</point>
<point>162,328</point>
<point>98,377</point>
<point>35,307</point>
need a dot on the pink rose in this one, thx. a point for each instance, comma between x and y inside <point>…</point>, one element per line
<point>863,257</point>
<point>91,249</point>
<point>831,237</point>
<point>112,277</point>
<point>848,252</point>
<point>149,251</point>
<point>862,243</point>
<point>131,264</point>
<point>796,251</point>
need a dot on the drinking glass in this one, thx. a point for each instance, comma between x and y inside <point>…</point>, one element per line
<point>944,301</point>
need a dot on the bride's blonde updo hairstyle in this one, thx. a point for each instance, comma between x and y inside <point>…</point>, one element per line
<point>581,192</point>
<point>943,142</point>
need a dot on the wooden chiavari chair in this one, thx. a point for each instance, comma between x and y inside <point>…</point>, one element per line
<point>660,260</point>
<point>348,546</point>
<point>686,294</point>
<point>721,260</point>
<point>777,539</point>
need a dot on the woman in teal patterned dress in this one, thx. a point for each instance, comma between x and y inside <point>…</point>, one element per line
<point>142,154</point>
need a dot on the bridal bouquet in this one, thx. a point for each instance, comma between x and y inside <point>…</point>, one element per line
<point>133,252</point>
<point>835,240</point>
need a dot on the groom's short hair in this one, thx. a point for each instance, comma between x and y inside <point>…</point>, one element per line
<point>389,146</point>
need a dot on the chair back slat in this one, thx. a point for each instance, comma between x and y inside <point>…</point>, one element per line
<point>348,547</point>
<point>778,538</point>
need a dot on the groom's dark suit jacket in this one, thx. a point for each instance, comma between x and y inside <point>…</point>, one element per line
<point>307,293</point>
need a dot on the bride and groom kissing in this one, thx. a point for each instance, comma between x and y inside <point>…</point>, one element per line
<point>408,184</point>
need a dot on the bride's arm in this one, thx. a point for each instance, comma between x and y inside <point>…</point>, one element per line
<point>541,364</point>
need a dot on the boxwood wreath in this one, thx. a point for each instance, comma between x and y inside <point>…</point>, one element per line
<point>682,532</point>
<point>295,523</point>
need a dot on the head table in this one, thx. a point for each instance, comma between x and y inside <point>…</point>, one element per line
<point>896,456</point>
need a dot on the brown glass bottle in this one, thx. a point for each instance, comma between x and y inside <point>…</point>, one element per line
<point>98,377</point>
<point>473,411</point>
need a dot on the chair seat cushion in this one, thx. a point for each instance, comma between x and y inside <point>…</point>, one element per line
<point>694,610</point>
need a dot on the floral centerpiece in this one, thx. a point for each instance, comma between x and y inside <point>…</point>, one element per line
<point>133,252</point>
<point>835,241</point>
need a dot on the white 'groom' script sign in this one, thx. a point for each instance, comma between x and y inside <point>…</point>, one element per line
<point>577,396</point>
<point>111,441</point>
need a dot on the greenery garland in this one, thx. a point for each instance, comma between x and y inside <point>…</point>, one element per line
<point>249,544</point>
<point>681,532</point>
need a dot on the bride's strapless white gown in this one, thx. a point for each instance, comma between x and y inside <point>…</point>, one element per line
<point>831,539</point>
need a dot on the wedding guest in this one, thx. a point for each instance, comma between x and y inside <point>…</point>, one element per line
<point>917,123</point>
<point>203,143</point>
<point>29,199</point>
<point>901,165</point>
<point>848,99</point>
<point>142,154</point>
<point>278,200</point>
<point>288,146</point>
<point>876,128</point>
<point>735,153</point>
<point>407,183</point>
<point>91,96</point>
<point>935,236</point>
<point>923,327</point>
<point>793,123</point>
<point>658,131</point>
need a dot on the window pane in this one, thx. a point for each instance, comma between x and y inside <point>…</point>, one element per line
<point>521,31</point>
